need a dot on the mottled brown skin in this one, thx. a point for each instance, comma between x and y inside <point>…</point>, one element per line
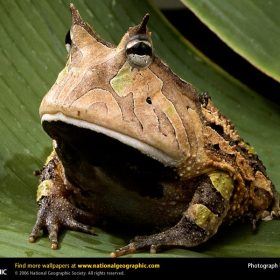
<point>253,191</point>
<point>196,174</point>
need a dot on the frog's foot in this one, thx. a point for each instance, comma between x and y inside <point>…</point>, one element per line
<point>275,213</point>
<point>185,234</point>
<point>200,221</point>
<point>266,215</point>
<point>138,244</point>
<point>269,215</point>
<point>56,213</point>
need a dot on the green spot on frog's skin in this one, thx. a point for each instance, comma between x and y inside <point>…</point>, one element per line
<point>123,79</point>
<point>204,217</point>
<point>223,183</point>
<point>171,111</point>
<point>44,189</point>
<point>249,148</point>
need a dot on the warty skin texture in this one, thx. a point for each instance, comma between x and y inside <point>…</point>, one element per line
<point>199,172</point>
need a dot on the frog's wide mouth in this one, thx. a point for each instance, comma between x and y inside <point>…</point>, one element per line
<point>83,148</point>
<point>125,139</point>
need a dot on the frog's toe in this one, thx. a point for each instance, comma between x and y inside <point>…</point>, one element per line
<point>53,235</point>
<point>77,226</point>
<point>142,243</point>
<point>35,233</point>
<point>56,213</point>
<point>39,225</point>
<point>154,249</point>
<point>128,249</point>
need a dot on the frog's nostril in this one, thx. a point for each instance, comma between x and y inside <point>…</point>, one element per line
<point>149,100</point>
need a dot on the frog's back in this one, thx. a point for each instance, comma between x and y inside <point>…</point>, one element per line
<point>254,194</point>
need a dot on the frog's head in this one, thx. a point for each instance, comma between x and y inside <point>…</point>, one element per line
<point>123,92</point>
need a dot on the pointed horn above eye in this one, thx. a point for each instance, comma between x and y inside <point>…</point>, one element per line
<point>76,18</point>
<point>142,29</point>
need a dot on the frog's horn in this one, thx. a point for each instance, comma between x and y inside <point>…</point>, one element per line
<point>142,27</point>
<point>77,20</point>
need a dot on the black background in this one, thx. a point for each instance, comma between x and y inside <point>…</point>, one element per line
<point>210,45</point>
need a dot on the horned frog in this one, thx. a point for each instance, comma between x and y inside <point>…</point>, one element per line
<point>137,147</point>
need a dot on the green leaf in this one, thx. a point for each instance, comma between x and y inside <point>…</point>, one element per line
<point>250,28</point>
<point>32,54</point>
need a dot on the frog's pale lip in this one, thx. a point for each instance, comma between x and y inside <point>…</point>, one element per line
<point>127,140</point>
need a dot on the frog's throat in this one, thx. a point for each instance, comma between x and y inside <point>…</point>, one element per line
<point>125,139</point>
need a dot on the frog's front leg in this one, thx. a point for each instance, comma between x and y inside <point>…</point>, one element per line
<point>202,219</point>
<point>55,209</point>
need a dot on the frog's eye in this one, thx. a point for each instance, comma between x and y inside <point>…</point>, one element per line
<point>68,41</point>
<point>139,51</point>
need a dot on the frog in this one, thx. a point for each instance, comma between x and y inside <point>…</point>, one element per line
<point>138,148</point>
